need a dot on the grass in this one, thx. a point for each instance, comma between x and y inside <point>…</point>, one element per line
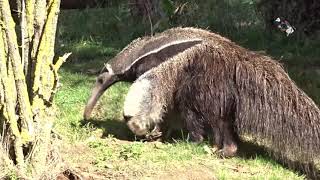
<point>105,148</point>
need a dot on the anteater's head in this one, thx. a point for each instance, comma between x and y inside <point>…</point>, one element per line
<point>142,112</point>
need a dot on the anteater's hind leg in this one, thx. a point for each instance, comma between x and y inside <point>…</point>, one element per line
<point>230,146</point>
<point>217,137</point>
<point>225,140</point>
<point>194,125</point>
<point>223,132</point>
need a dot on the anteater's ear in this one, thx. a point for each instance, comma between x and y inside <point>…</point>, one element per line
<point>109,69</point>
<point>158,54</point>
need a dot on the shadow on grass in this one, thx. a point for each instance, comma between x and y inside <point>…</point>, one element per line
<point>249,150</point>
<point>111,127</point>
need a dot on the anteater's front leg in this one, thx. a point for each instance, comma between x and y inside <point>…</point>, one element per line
<point>194,125</point>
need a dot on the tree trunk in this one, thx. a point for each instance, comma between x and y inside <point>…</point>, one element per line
<point>28,82</point>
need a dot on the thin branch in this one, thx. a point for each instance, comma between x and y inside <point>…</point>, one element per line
<point>30,18</point>
<point>61,60</point>
<point>39,15</point>
<point>22,23</point>
<point>55,69</point>
<point>1,97</point>
<point>24,38</point>
<point>29,4</point>
<point>151,25</point>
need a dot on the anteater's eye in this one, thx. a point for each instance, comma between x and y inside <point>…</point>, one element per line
<point>100,80</point>
<point>126,118</point>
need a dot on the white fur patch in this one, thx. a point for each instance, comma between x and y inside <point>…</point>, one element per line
<point>109,68</point>
<point>136,97</point>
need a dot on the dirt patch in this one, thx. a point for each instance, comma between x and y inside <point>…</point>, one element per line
<point>194,173</point>
<point>80,159</point>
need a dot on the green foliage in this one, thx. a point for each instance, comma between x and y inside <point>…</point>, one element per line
<point>130,151</point>
<point>168,7</point>
<point>103,153</point>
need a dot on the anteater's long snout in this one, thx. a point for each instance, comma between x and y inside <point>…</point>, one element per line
<point>103,82</point>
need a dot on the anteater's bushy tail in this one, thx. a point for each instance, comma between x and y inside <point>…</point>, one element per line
<point>271,107</point>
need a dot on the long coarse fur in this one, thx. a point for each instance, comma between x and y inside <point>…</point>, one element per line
<point>141,55</point>
<point>237,93</point>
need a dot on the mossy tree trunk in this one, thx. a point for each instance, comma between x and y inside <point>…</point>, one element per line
<point>28,82</point>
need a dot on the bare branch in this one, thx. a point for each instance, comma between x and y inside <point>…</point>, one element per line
<point>24,38</point>
<point>35,27</point>
<point>61,60</point>
<point>30,17</point>
<point>55,69</point>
